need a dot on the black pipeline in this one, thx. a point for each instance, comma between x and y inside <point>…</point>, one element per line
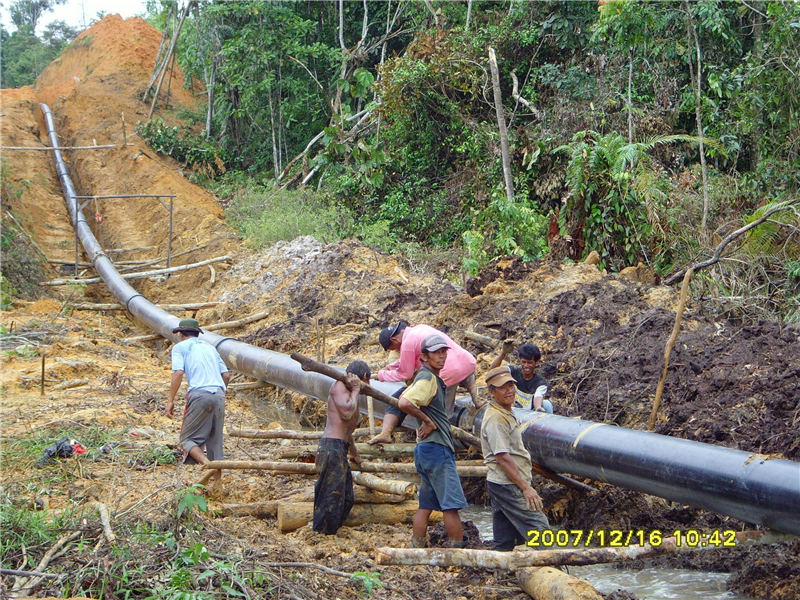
<point>751,487</point>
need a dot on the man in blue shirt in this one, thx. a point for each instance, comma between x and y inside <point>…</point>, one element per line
<point>204,414</point>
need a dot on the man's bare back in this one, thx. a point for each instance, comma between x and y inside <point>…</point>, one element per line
<point>343,415</point>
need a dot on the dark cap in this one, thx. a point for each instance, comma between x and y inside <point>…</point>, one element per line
<point>433,343</point>
<point>499,376</point>
<point>188,325</point>
<point>387,333</point>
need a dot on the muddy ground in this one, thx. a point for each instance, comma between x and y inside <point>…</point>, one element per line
<point>602,336</point>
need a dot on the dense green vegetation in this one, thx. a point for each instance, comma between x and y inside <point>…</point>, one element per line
<point>647,131</point>
<point>25,54</point>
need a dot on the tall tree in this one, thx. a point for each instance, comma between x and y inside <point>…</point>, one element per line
<point>25,14</point>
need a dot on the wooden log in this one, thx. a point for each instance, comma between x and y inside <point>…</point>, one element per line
<point>363,449</point>
<point>214,327</point>
<point>481,339</point>
<point>547,583</point>
<point>289,434</point>
<point>491,559</point>
<point>292,516</point>
<point>189,306</point>
<point>309,364</point>
<point>388,486</point>
<point>72,383</point>
<point>251,385</point>
<point>308,468</point>
<point>250,509</point>
<point>140,275</point>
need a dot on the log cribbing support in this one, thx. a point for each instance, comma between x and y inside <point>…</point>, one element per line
<point>511,561</point>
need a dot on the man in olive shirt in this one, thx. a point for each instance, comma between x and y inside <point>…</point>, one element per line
<point>516,507</point>
<point>434,455</point>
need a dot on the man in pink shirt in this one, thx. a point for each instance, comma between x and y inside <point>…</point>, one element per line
<point>459,369</point>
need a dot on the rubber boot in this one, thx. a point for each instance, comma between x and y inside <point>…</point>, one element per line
<point>419,542</point>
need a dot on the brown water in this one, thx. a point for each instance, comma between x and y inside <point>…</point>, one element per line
<point>647,584</point>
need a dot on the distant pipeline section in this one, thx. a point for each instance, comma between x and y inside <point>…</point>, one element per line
<point>753,488</point>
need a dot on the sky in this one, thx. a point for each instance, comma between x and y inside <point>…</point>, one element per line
<point>78,13</point>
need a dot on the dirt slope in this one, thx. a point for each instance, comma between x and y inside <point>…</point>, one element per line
<point>602,337</point>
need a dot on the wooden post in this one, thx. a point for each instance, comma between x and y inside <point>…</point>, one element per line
<point>41,388</point>
<point>169,239</point>
<point>371,415</point>
<point>124,133</point>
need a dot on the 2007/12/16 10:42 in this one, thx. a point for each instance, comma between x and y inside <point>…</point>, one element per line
<point>619,538</point>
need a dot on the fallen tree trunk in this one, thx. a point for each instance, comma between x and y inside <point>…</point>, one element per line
<point>309,364</point>
<point>292,516</point>
<point>547,583</point>
<point>308,468</point>
<point>491,559</point>
<point>288,434</point>
<point>363,449</point>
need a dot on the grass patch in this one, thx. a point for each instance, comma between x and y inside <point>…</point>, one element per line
<point>265,215</point>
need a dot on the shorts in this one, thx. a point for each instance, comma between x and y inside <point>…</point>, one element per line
<point>203,420</point>
<point>440,486</point>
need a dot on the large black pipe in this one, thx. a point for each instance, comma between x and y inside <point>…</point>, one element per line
<point>751,488</point>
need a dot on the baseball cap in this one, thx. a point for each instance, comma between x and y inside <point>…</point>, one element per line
<point>387,333</point>
<point>499,376</point>
<point>432,343</point>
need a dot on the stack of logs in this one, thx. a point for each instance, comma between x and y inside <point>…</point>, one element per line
<point>378,499</point>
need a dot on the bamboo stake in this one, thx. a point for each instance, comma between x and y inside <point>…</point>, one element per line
<point>309,364</point>
<point>668,349</point>
<point>214,327</point>
<point>288,434</point>
<point>310,469</point>
<point>140,275</point>
<point>491,559</point>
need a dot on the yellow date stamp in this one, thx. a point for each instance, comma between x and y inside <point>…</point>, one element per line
<point>619,538</point>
